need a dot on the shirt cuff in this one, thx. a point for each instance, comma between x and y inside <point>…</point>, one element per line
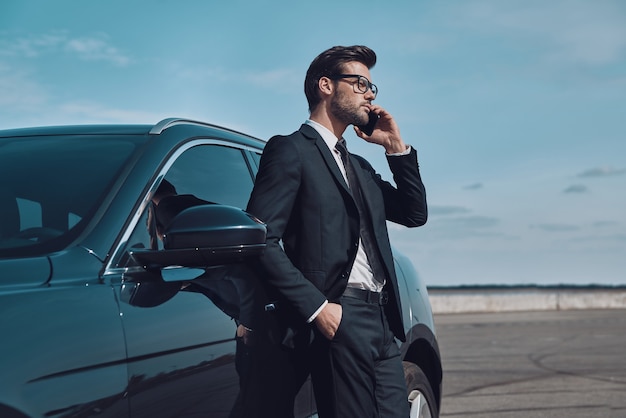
<point>397,154</point>
<point>312,318</point>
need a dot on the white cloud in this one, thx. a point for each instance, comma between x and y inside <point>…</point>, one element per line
<point>555,227</point>
<point>472,222</point>
<point>33,46</point>
<point>90,112</point>
<point>96,49</point>
<point>455,228</point>
<point>446,210</point>
<point>576,188</point>
<point>474,186</point>
<point>90,48</point>
<point>25,102</point>
<point>605,224</point>
<point>277,79</point>
<point>19,92</point>
<point>602,172</point>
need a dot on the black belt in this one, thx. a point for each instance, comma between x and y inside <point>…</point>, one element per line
<point>379,298</point>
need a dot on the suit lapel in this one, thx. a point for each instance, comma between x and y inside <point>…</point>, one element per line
<point>310,133</point>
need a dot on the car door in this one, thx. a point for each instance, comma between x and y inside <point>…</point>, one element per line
<point>181,353</point>
<point>63,350</point>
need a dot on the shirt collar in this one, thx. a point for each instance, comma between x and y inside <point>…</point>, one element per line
<point>329,138</point>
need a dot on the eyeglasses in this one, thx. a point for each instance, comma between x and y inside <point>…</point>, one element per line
<point>362,84</point>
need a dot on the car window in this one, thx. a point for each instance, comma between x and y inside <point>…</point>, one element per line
<point>211,173</point>
<point>52,186</point>
<point>215,173</point>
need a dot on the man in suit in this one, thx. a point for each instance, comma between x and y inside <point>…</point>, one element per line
<point>328,259</point>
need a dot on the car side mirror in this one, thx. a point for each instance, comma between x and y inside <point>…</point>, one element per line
<point>206,236</point>
<point>197,238</point>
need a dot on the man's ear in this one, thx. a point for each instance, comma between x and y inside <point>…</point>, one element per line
<point>326,86</point>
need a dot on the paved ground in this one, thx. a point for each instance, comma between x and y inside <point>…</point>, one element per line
<point>566,364</point>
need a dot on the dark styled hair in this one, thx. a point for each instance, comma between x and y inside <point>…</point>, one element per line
<point>165,189</point>
<point>331,62</point>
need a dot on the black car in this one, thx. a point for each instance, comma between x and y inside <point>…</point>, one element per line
<point>97,317</point>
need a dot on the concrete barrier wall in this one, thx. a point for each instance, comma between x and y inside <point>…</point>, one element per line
<point>462,300</point>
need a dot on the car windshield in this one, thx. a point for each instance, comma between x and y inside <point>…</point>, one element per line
<point>51,185</point>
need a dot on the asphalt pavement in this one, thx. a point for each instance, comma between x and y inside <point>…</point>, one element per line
<point>551,364</point>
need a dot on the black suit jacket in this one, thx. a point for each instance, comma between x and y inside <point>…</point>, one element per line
<point>302,196</point>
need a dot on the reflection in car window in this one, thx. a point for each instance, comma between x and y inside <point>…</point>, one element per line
<point>53,186</point>
<point>214,173</point>
<point>30,213</point>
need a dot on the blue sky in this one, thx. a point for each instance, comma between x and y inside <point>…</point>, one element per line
<point>517,108</point>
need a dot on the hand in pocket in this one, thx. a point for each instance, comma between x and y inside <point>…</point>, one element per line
<point>328,320</point>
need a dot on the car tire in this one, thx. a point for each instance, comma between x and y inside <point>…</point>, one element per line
<point>420,394</point>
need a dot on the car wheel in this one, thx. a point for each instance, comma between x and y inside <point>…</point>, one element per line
<point>421,397</point>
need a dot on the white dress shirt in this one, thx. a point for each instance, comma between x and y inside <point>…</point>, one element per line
<point>361,276</point>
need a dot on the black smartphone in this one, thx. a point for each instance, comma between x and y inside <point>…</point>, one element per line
<point>369,127</point>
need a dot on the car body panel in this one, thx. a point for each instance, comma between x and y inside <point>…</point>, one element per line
<point>68,341</point>
<point>417,309</point>
<point>186,343</point>
<point>24,273</point>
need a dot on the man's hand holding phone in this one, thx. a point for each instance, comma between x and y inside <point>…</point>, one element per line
<point>383,130</point>
<point>368,128</point>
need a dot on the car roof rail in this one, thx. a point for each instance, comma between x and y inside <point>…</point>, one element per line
<point>169,122</point>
